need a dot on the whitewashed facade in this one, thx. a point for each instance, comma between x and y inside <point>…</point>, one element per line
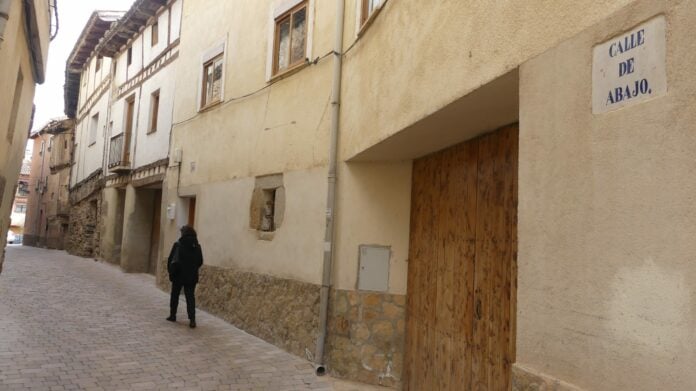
<point>124,119</point>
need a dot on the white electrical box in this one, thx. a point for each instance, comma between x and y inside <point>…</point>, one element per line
<point>176,156</point>
<point>373,273</point>
<point>171,211</point>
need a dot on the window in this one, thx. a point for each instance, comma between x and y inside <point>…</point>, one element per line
<point>93,125</point>
<point>290,48</point>
<point>23,188</point>
<point>21,208</point>
<point>50,144</point>
<point>212,82</point>
<point>99,64</point>
<point>129,56</point>
<point>268,197</point>
<point>154,111</point>
<point>368,8</point>
<point>267,205</point>
<point>154,35</point>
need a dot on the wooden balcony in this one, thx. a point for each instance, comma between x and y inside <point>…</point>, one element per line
<point>118,155</point>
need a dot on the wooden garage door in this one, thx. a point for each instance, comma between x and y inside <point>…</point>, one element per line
<point>462,266</point>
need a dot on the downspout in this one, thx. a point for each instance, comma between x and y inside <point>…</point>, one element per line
<point>331,193</point>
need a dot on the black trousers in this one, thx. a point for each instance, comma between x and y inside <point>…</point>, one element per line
<point>189,291</point>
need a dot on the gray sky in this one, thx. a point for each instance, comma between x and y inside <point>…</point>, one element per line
<point>72,17</point>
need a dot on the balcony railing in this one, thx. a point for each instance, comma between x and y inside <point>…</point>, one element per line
<point>118,159</point>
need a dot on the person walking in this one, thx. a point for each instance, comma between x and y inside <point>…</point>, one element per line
<point>185,258</point>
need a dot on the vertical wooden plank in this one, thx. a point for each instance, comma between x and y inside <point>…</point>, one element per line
<point>513,266</point>
<point>460,247</point>
<point>507,348</point>
<point>480,368</point>
<point>500,262</point>
<point>494,256</point>
<point>431,263</point>
<point>443,275</point>
<point>414,274</point>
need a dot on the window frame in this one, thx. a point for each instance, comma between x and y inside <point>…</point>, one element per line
<point>154,33</point>
<point>365,18</point>
<point>204,80</point>
<point>93,128</point>
<point>154,111</point>
<point>288,14</point>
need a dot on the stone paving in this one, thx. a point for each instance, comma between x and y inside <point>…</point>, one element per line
<point>69,323</point>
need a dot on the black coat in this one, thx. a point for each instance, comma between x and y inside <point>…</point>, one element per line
<point>190,257</point>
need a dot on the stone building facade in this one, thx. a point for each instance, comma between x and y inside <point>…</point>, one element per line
<point>120,87</point>
<point>467,196</point>
<point>87,93</point>
<point>457,126</point>
<point>48,207</point>
<point>18,215</point>
<point>25,30</point>
<point>144,48</point>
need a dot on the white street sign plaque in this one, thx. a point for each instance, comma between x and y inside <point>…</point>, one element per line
<point>629,68</point>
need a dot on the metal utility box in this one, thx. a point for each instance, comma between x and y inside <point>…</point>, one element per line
<point>373,268</point>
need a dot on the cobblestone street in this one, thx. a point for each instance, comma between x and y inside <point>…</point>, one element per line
<point>71,323</point>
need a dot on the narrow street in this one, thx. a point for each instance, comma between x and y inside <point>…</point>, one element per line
<point>70,323</point>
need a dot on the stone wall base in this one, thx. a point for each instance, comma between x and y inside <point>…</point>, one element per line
<point>83,232</point>
<point>280,311</point>
<point>367,337</point>
<point>52,242</point>
<point>30,240</point>
<point>365,340</point>
<point>527,379</point>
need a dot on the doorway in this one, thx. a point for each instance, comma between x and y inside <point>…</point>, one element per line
<point>191,217</point>
<point>155,233</point>
<point>462,266</point>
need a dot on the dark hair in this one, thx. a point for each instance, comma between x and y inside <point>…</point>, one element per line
<point>188,230</point>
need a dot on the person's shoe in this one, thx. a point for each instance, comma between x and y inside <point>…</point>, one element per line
<point>192,324</point>
<point>171,318</point>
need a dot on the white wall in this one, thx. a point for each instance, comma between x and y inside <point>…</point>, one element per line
<point>90,158</point>
<point>136,59</point>
<point>176,21</point>
<point>147,148</point>
<point>91,79</point>
<point>155,146</point>
<point>151,52</point>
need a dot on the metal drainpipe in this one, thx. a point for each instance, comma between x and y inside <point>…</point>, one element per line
<point>331,193</point>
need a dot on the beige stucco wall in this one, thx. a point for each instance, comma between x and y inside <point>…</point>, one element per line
<point>373,208</point>
<point>442,52</point>
<point>285,126</point>
<point>399,73</point>
<point>607,221</point>
<point>281,129</point>
<point>14,55</point>
<point>222,222</point>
